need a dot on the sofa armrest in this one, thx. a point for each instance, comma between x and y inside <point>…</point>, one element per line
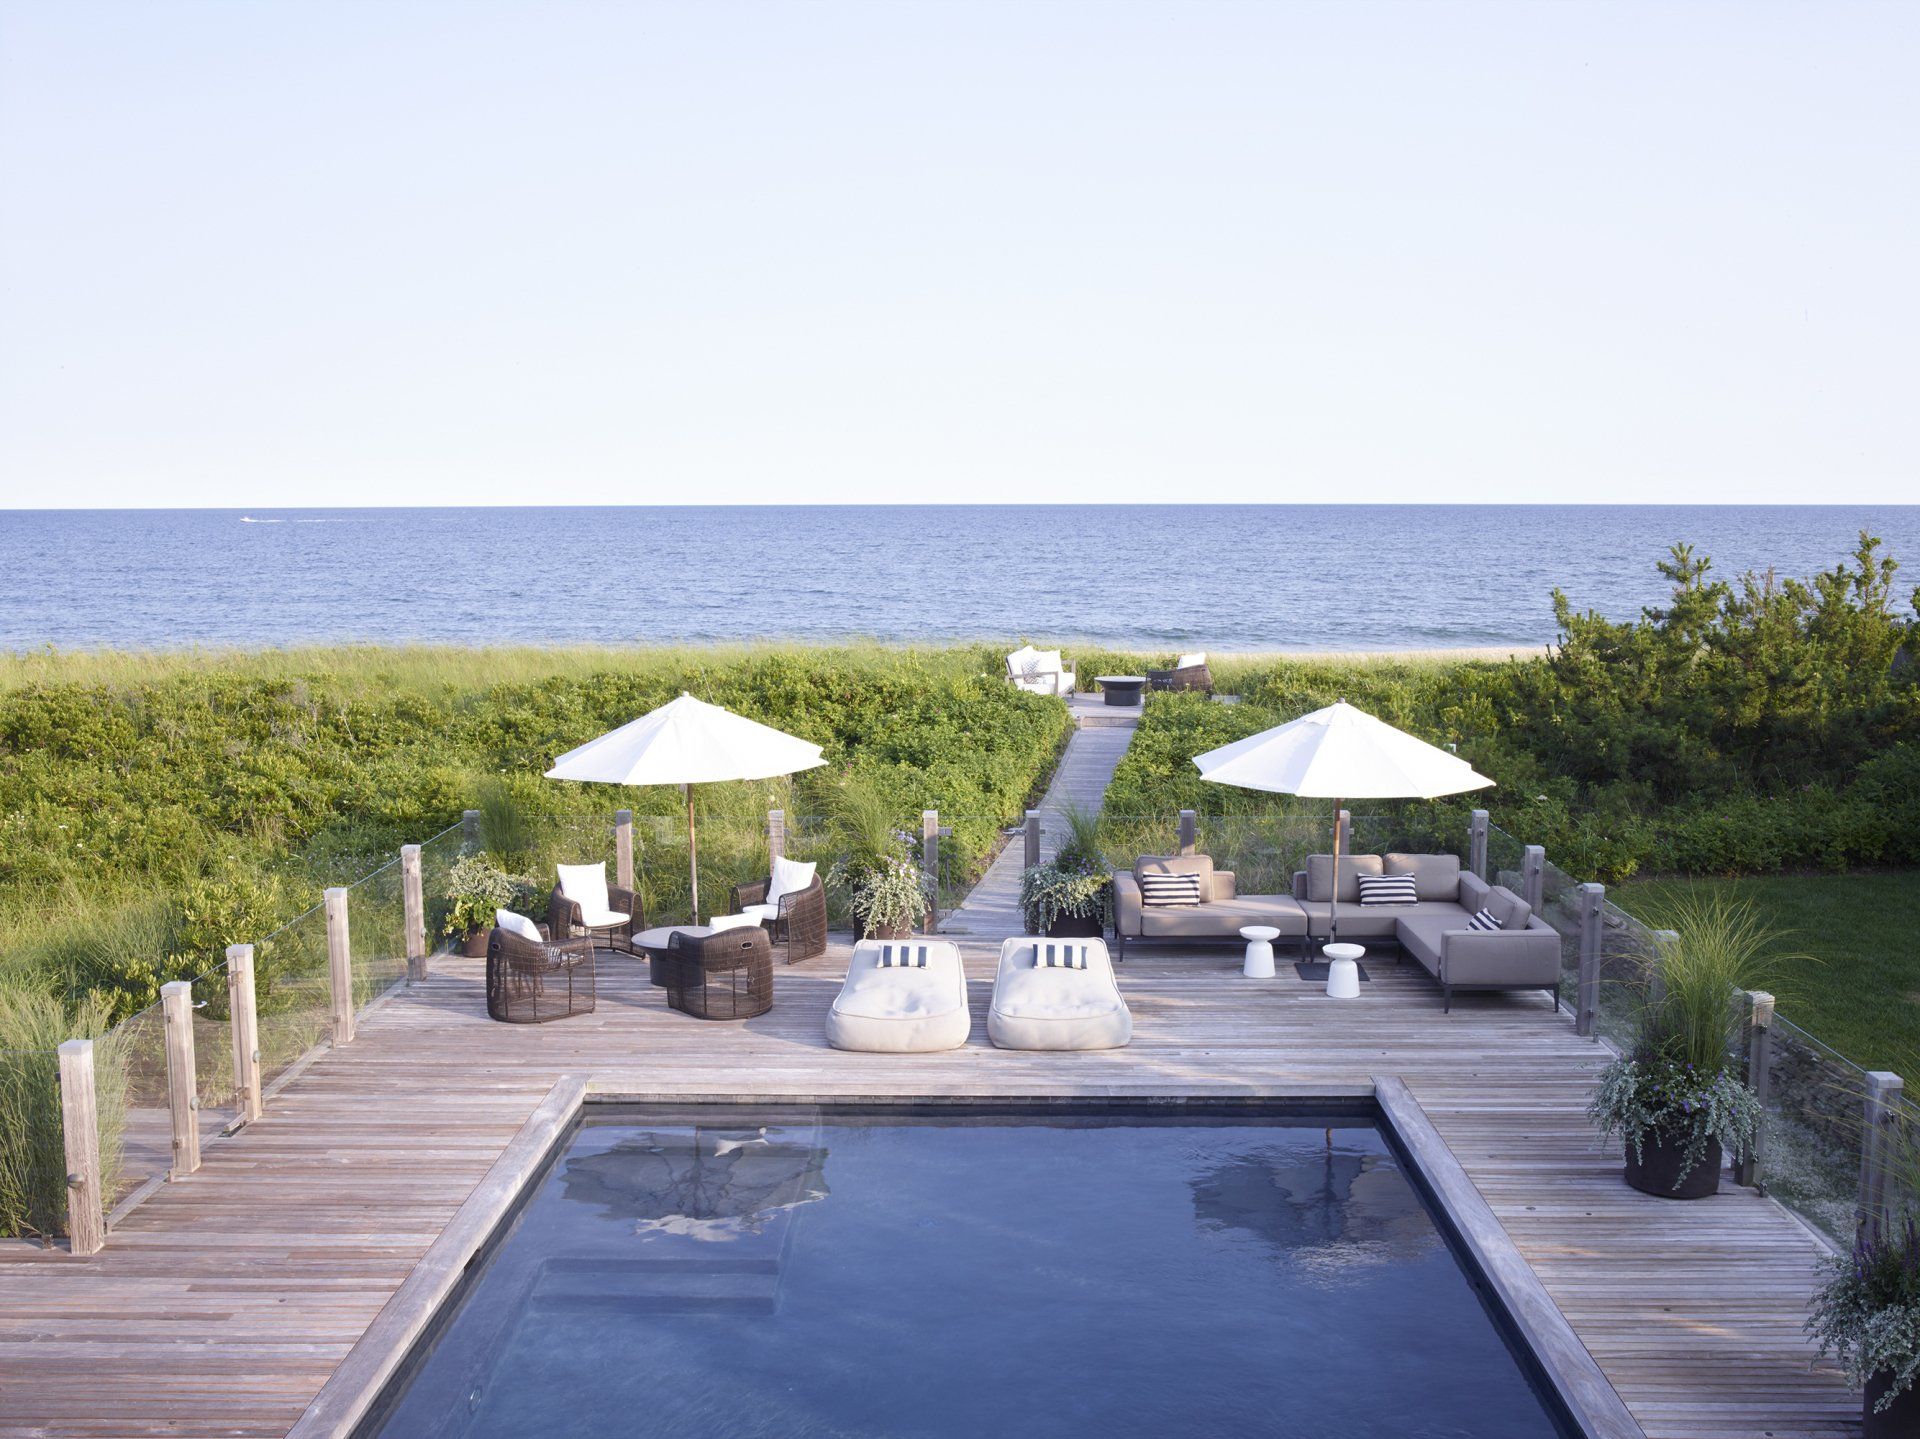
<point>1126,903</point>
<point>1299,884</point>
<point>1473,892</point>
<point>1065,682</point>
<point>1520,957</point>
<point>1226,885</point>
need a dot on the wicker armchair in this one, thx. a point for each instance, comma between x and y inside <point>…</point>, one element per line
<point>564,919</point>
<point>799,924</point>
<point>531,983</point>
<point>1187,677</point>
<point>724,975</point>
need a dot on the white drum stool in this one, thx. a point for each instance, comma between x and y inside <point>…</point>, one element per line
<point>1259,938</point>
<point>1343,970</point>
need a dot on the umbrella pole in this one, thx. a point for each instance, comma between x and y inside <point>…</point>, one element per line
<point>693,857</point>
<point>1333,903</point>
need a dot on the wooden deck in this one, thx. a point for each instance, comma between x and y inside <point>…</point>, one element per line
<point>223,1302</point>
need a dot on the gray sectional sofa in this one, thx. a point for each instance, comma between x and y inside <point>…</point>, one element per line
<point>1524,953</point>
<point>1219,915</point>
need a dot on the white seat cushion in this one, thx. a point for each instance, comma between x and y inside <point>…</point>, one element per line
<point>900,1010</point>
<point>788,877</point>
<point>761,913</point>
<point>742,920</point>
<point>602,918</point>
<point>517,924</point>
<point>1057,1008</point>
<point>586,886</point>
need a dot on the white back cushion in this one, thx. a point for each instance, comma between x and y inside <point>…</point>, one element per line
<point>1024,662</point>
<point>517,924</point>
<point>788,877</point>
<point>1193,661</point>
<point>585,885</point>
<point>1050,662</point>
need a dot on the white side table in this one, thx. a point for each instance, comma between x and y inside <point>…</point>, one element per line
<point>1343,970</point>
<point>1259,938</point>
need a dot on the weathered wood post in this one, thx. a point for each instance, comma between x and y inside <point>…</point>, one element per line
<point>1477,843</point>
<point>245,1019</point>
<point>414,901</point>
<point>1189,825</point>
<point>930,841</point>
<point>340,965</point>
<point>776,835</point>
<point>80,1128</point>
<point>1031,857</point>
<point>1586,1000</point>
<point>183,1086</point>
<point>623,849</point>
<point>1759,1080</point>
<point>1877,1148</point>
<point>469,829</point>
<point>1533,876</point>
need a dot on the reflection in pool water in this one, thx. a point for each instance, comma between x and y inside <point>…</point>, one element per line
<point>948,1275</point>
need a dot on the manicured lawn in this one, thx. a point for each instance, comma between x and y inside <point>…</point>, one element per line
<point>1860,992</point>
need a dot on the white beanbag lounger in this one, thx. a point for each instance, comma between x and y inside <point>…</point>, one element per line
<point>1039,1008</point>
<point>901,1010</point>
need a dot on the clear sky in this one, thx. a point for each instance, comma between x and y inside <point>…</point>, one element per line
<point>542,252</point>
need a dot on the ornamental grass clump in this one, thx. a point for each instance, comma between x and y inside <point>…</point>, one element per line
<point>1678,1086</point>
<point>1075,884</point>
<point>886,890</point>
<point>1867,1314</point>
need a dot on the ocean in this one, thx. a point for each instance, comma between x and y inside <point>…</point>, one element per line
<point>1214,577</point>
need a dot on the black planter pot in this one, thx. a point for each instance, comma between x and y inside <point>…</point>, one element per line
<point>473,944</point>
<point>887,931</point>
<point>1899,1420</point>
<point>1077,926</point>
<point>1657,1170</point>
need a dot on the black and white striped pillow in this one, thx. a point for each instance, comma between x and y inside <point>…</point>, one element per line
<point>1483,920</point>
<point>1170,891</point>
<point>1049,955</point>
<point>903,956</point>
<point>1387,889</point>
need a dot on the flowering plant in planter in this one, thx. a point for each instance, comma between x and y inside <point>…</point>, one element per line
<point>1675,1096</point>
<point>1053,891</point>
<point>477,885</point>
<point>1074,890</point>
<point>1867,1314</point>
<point>1660,1099</point>
<point>887,898</point>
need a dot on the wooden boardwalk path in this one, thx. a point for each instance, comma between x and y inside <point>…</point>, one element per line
<point>223,1302</point>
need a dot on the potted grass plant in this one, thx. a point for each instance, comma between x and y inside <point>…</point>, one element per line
<point>886,891</point>
<point>1867,1315</point>
<point>1071,895</point>
<point>1675,1096</point>
<point>477,885</point>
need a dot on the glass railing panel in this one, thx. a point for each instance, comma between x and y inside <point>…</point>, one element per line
<point>136,1142</point>
<point>292,993</point>
<point>377,933</point>
<point>1815,1124</point>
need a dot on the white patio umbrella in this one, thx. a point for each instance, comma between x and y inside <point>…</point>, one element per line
<point>687,742</point>
<point>1339,753</point>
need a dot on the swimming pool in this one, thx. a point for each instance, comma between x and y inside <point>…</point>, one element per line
<point>725,1271</point>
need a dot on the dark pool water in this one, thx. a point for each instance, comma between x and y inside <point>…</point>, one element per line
<point>901,1275</point>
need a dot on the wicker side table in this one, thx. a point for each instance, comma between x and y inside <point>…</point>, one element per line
<point>723,975</point>
<point>529,983</point>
